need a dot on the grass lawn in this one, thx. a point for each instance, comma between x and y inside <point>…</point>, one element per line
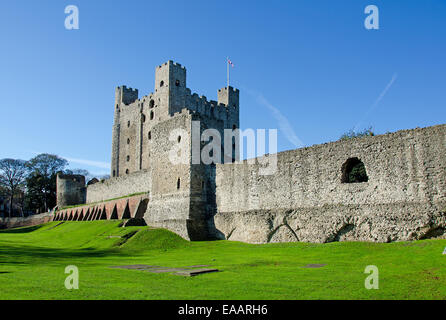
<point>33,261</point>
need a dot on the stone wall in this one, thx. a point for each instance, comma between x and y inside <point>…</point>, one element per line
<point>30,221</point>
<point>305,200</point>
<point>169,205</point>
<point>121,209</point>
<point>120,186</point>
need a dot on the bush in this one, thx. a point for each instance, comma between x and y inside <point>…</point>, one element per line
<point>352,134</point>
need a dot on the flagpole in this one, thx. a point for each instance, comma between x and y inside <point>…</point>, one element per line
<point>227,67</point>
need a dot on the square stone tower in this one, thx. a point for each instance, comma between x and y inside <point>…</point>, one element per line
<point>147,129</point>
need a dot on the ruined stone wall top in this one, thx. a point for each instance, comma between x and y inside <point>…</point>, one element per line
<point>407,166</point>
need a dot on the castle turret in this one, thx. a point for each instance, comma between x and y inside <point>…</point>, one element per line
<point>70,189</point>
<point>170,86</point>
<point>230,98</point>
<point>124,95</point>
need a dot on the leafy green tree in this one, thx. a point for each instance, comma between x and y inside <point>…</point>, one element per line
<point>12,178</point>
<point>41,182</point>
<point>81,172</point>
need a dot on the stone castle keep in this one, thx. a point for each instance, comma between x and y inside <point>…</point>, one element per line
<point>309,198</point>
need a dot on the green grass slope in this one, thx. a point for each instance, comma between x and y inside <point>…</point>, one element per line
<point>33,261</point>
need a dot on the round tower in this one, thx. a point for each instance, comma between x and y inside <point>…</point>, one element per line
<point>70,189</point>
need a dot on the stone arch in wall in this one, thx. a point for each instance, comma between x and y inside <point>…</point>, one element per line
<point>345,233</point>
<point>354,171</point>
<point>86,214</point>
<point>114,214</point>
<point>102,214</point>
<point>94,212</point>
<point>126,213</point>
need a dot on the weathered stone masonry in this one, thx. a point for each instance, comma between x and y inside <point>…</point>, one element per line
<point>145,130</point>
<point>70,189</point>
<point>404,198</point>
<point>307,199</point>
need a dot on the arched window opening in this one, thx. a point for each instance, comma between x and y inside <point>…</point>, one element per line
<point>128,141</point>
<point>150,135</point>
<point>127,171</point>
<point>128,123</point>
<point>152,115</point>
<point>178,184</point>
<point>179,139</point>
<point>161,83</point>
<point>114,173</point>
<point>143,117</point>
<point>128,158</point>
<point>353,171</point>
<point>152,103</point>
<point>177,83</point>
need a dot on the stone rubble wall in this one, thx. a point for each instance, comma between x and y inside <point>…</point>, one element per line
<point>120,186</point>
<point>404,198</point>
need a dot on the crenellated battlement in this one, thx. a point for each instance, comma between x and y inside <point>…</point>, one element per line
<point>139,123</point>
<point>124,95</point>
<point>171,63</point>
<point>225,89</point>
<point>182,112</point>
<point>211,108</point>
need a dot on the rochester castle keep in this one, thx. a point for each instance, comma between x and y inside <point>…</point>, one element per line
<point>311,196</point>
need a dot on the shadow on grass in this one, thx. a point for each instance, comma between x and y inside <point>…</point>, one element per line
<point>13,254</point>
<point>22,230</point>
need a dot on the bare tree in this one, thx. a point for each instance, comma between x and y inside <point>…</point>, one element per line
<point>12,177</point>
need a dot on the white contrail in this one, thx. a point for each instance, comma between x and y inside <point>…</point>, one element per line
<point>377,101</point>
<point>284,124</point>
<point>91,163</point>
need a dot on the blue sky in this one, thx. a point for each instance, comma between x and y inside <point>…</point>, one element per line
<point>308,68</point>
